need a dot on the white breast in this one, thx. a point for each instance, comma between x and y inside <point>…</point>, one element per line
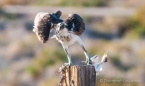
<point>67,38</point>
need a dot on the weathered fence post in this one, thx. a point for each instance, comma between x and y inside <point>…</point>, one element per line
<point>78,76</point>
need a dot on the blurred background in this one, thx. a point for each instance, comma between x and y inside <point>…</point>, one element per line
<point>114,25</point>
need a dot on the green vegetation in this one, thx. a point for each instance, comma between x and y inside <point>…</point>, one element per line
<point>137,23</point>
<point>115,60</point>
<point>78,3</point>
<point>45,58</point>
<point>8,16</point>
<point>82,3</point>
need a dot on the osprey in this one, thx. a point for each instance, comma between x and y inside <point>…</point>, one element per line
<point>67,31</point>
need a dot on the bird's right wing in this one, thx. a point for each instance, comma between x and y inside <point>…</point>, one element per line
<point>42,26</point>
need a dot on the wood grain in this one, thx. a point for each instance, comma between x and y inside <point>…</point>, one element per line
<point>79,76</point>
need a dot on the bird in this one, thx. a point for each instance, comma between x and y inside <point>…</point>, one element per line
<point>67,31</point>
<point>98,65</point>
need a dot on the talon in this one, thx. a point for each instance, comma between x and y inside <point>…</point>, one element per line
<point>89,63</point>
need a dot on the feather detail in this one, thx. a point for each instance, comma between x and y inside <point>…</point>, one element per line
<point>75,22</point>
<point>42,26</point>
<point>44,22</point>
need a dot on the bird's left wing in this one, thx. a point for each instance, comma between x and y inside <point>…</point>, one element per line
<point>75,23</point>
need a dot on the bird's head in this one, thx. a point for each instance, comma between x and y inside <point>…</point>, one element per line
<point>58,13</point>
<point>61,26</point>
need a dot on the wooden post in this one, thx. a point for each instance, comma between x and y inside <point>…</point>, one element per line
<point>78,76</point>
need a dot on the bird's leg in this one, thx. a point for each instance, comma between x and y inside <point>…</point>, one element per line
<point>88,61</point>
<point>68,55</point>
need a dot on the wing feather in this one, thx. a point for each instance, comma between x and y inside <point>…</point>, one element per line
<point>76,23</point>
<point>42,26</point>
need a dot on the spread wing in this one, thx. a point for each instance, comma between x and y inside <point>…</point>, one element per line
<point>43,23</point>
<point>75,23</point>
<point>42,26</point>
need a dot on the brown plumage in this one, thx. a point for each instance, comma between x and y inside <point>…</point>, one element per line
<point>43,23</point>
<point>75,23</point>
<point>42,26</point>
